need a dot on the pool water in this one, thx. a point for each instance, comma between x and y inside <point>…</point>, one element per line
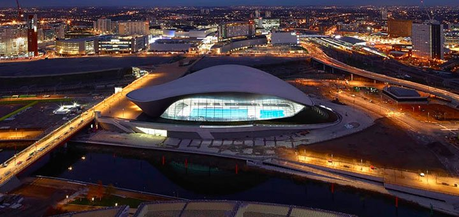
<point>264,114</point>
<point>220,113</point>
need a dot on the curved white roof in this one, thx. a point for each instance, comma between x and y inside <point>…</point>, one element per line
<point>222,79</point>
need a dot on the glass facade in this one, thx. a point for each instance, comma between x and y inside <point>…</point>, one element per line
<point>231,107</point>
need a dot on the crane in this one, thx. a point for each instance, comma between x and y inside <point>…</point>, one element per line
<point>425,9</point>
<point>20,15</point>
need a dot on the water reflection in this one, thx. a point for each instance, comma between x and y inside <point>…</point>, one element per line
<point>200,177</point>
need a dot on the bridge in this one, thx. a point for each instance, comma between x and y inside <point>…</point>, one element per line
<point>114,105</point>
<point>16,164</point>
<point>319,56</point>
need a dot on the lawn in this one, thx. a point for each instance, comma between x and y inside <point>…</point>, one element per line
<point>18,110</point>
<point>16,101</point>
<point>109,201</point>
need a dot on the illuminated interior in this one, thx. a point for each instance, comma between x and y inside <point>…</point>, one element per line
<point>231,107</point>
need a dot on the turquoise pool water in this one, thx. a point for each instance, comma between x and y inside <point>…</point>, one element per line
<point>220,113</point>
<point>264,114</point>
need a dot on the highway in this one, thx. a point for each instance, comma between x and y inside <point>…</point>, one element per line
<point>318,55</point>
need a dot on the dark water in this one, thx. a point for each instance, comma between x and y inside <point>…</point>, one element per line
<point>6,154</point>
<point>214,178</point>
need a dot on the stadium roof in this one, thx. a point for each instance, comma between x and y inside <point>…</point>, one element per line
<point>222,79</point>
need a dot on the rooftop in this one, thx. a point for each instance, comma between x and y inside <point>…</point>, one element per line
<point>228,208</point>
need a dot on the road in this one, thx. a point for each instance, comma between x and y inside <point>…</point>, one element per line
<point>113,105</point>
<point>318,55</point>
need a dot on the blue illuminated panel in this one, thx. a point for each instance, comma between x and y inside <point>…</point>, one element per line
<point>220,113</point>
<point>268,114</point>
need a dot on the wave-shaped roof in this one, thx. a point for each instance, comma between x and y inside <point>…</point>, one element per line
<point>222,79</point>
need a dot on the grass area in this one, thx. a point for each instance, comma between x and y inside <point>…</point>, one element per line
<point>109,201</point>
<point>18,110</point>
<point>16,101</point>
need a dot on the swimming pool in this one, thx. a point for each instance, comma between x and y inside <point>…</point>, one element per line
<point>220,113</point>
<point>266,114</point>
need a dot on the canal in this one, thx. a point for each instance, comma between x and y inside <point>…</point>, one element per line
<point>203,177</point>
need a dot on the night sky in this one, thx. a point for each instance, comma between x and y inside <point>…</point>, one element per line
<point>34,3</point>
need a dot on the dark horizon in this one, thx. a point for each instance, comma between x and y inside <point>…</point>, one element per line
<point>210,3</point>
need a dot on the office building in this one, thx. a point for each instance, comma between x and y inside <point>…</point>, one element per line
<point>77,46</point>
<point>103,26</point>
<point>384,14</point>
<point>13,41</point>
<point>284,38</point>
<point>32,34</point>
<point>231,30</point>
<point>122,44</point>
<point>133,28</point>
<point>267,24</point>
<point>428,40</point>
<point>267,14</point>
<point>399,28</point>
<point>257,13</point>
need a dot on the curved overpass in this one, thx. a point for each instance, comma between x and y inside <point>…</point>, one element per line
<point>319,56</point>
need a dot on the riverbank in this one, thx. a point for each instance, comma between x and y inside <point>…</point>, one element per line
<point>370,181</point>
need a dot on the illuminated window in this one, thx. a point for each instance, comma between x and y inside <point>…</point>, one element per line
<point>227,108</point>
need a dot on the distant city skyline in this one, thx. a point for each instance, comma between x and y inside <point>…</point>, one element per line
<point>48,3</point>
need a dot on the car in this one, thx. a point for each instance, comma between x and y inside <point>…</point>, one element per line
<point>46,96</point>
<point>7,173</point>
<point>422,174</point>
<point>41,149</point>
<point>30,157</point>
<point>32,154</point>
<point>19,163</point>
<point>5,164</point>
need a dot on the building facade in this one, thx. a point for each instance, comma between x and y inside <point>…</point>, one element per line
<point>32,34</point>
<point>231,30</point>
<point>103,26</point>
<point>428,40</point>
<point>284,38</point>
<point>399,28</point>
<point>133,28</point>
<point>121,44</point>
<point>13,41</point>
<point>80,46</point>
<point>224,93</point>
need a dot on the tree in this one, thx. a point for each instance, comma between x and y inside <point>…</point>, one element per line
<point>109,190</point>
<point>91,192</point>
<point>99,190</point>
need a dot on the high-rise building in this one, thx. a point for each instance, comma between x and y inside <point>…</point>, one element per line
<point>13,41</point>
<point>103,26</point>
<point>428,40</point>
<point>133,28</point>
<point>384,14</point>
<point>32,35</point>
<point>399,28</point>
<point>257,13</point>
<point>236,30</point>
<point>267,14</point>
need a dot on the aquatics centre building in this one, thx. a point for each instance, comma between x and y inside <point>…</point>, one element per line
<point>229,93</point>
